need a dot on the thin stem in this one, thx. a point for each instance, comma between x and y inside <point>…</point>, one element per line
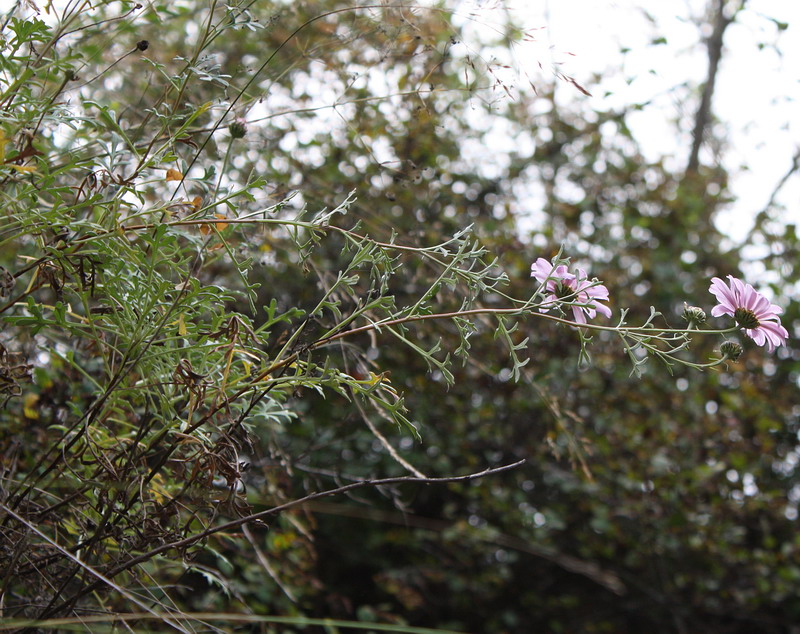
<point>193,539</point>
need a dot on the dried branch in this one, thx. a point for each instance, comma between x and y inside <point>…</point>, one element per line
<point>795,166</point>
<point>101,579</point>
<point>193,539</point>
<point>605,578</point>
<point>384,442</point>
<point>703,116</point>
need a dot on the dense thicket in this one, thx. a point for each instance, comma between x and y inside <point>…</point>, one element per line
<point>172,356</point>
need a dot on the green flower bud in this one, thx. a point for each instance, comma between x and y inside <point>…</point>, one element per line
<point>237,129</point>
<point>731,350</point>
<point>694,315</point>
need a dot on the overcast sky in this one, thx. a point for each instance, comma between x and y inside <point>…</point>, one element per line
<point>756,96</point>
<point>757,92</point>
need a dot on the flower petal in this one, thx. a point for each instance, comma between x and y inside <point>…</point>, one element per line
<point>724,295</point>
<point>541,269</point>
<point>737,295</point>
<point>577,312</point>
<point>776,333</point>
<point>579,290</point>
<point>603,310</point>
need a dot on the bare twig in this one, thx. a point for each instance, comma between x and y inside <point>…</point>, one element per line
<point>777,190</point>
<point>193,539</point>
<point>384,442</point>
<point>101,579</point>
<point>714,44</point>
<point>607,579</point>
<point>297,621</point>
<point>262,559</point>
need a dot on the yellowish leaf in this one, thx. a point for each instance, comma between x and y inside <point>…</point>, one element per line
<point>181,325</point>
<point>174,175</point>
<point>206,228</point>
<point>29,406</point>
<point>25,169</point>
<point>157,488</point>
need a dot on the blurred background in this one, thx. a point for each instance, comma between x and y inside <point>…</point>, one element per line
<point>657,144</point>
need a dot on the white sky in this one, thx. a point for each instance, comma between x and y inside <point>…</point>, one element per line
<point>757,93</point>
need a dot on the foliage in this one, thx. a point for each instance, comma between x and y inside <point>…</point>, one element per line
<point>246,266</point>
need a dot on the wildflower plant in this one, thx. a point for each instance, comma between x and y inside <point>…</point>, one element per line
<point>584,295</point>
<point>127,277</point>
<point>564,290</point>
<point>752,311</point>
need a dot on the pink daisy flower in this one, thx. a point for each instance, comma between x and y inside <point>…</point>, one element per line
<point>561,285</point>
<point>751,310</point>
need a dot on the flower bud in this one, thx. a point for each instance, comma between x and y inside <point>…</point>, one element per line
<point>731,350</point>
<point>237,129</point>
<point>694,315</point>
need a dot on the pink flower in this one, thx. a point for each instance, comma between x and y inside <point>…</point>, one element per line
<point>751,310</point>
<point>561,285</point>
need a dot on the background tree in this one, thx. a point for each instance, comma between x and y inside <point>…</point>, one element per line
<point>662,501</point>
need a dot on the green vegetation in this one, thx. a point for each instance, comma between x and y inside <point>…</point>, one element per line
<point>272,358</point>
